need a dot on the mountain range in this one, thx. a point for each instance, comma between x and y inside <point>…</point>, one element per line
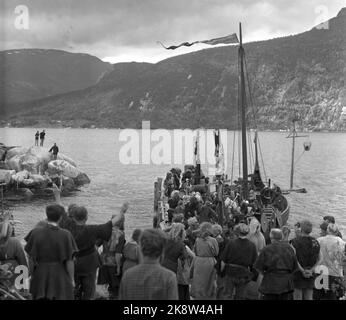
<point>303,74</point>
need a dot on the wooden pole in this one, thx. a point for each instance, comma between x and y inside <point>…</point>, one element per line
<point>292,160</point>
<point>242,102</point>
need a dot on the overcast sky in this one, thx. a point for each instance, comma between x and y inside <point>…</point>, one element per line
<point>127,30</point>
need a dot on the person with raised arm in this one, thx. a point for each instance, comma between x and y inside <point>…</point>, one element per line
<point>86,236</point>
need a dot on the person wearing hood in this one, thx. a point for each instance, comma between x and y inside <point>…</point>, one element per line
<point>255,235</point>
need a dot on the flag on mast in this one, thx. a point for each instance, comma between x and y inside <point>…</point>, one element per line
<point>219,155</point>
<point>230,39</point>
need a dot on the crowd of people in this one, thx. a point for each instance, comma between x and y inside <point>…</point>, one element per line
<point>190,257</point>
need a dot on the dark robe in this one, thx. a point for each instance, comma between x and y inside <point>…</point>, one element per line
<point>50,247</point>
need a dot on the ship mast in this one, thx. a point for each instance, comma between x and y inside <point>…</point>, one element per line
<point>293,135</point>
<point>242,106</point>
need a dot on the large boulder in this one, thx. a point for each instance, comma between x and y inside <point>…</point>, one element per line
<point>39,181</point>
<point>20,176</point>
<point>61,156</point>
<point>64,168</point>
<point>6,175</point>
<point>14,163</point>
<point>81,179</point>
<point>68,184</point>
<point>16,151</point>
<point>30,163</point>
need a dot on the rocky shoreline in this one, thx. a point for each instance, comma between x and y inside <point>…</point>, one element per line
<point>30,172</point>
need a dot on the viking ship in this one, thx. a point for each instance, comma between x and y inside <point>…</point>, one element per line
<point>272,206</point>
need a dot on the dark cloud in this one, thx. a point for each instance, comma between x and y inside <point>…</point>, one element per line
<point>129,29</point>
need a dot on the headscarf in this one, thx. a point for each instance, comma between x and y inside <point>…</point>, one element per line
<point>255,235</point>
<point>255,227</point>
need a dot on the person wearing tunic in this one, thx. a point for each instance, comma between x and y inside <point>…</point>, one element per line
<point>191,232</point>
<point>149,280</point>
<point>176,252</point>
<point>51,250</point>
<point>237,259</point>
<point>204,273</point>
<point>255,235</point>
<point>206,213</point>
<point>222,240</point>
<point>131,250</point>
<point>87,258</point>
<point>11,251</point>
<point>276,263</point>
<point>111,258</point>
<point>174,247</point>
<point>332,249</point>
<point>308,253</point>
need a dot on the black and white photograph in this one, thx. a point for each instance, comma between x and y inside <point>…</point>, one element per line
<point>187,151</point>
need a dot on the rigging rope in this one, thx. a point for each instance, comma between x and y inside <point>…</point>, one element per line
<point>264,169</point>
<point>255,111</point>
<point>252,162</point>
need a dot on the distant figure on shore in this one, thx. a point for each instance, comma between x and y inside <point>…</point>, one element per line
<point>37,135</point>
<point>55,151</point>
<point>42,135</point>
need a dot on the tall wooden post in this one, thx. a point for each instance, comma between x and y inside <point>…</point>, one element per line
<point>242,104</point>
<point>292,160</point>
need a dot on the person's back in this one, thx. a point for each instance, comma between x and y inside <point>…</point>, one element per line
<point>240,252</point>
<point>332,252</point>
<point>206,214</point>
<point>277,262</point>
<point>51,249</point>
<point>172,252</point>
<point>148,282</point>
<point>86,236</point>
<point>48,244</point>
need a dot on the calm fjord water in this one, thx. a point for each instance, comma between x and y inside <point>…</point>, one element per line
<point>322,171</point>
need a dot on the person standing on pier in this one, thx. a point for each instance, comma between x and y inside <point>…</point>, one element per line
<point>37,135</point>
<point>42,135</point>
<point>51,250</point>
<point>276,263</point>
<point>149,280</point>
<point>332,249</point>
<point>55,150</point>
<point>87,258</point>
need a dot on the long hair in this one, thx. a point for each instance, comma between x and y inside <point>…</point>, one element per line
<point>255,227</point>
<point>177,232</point>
